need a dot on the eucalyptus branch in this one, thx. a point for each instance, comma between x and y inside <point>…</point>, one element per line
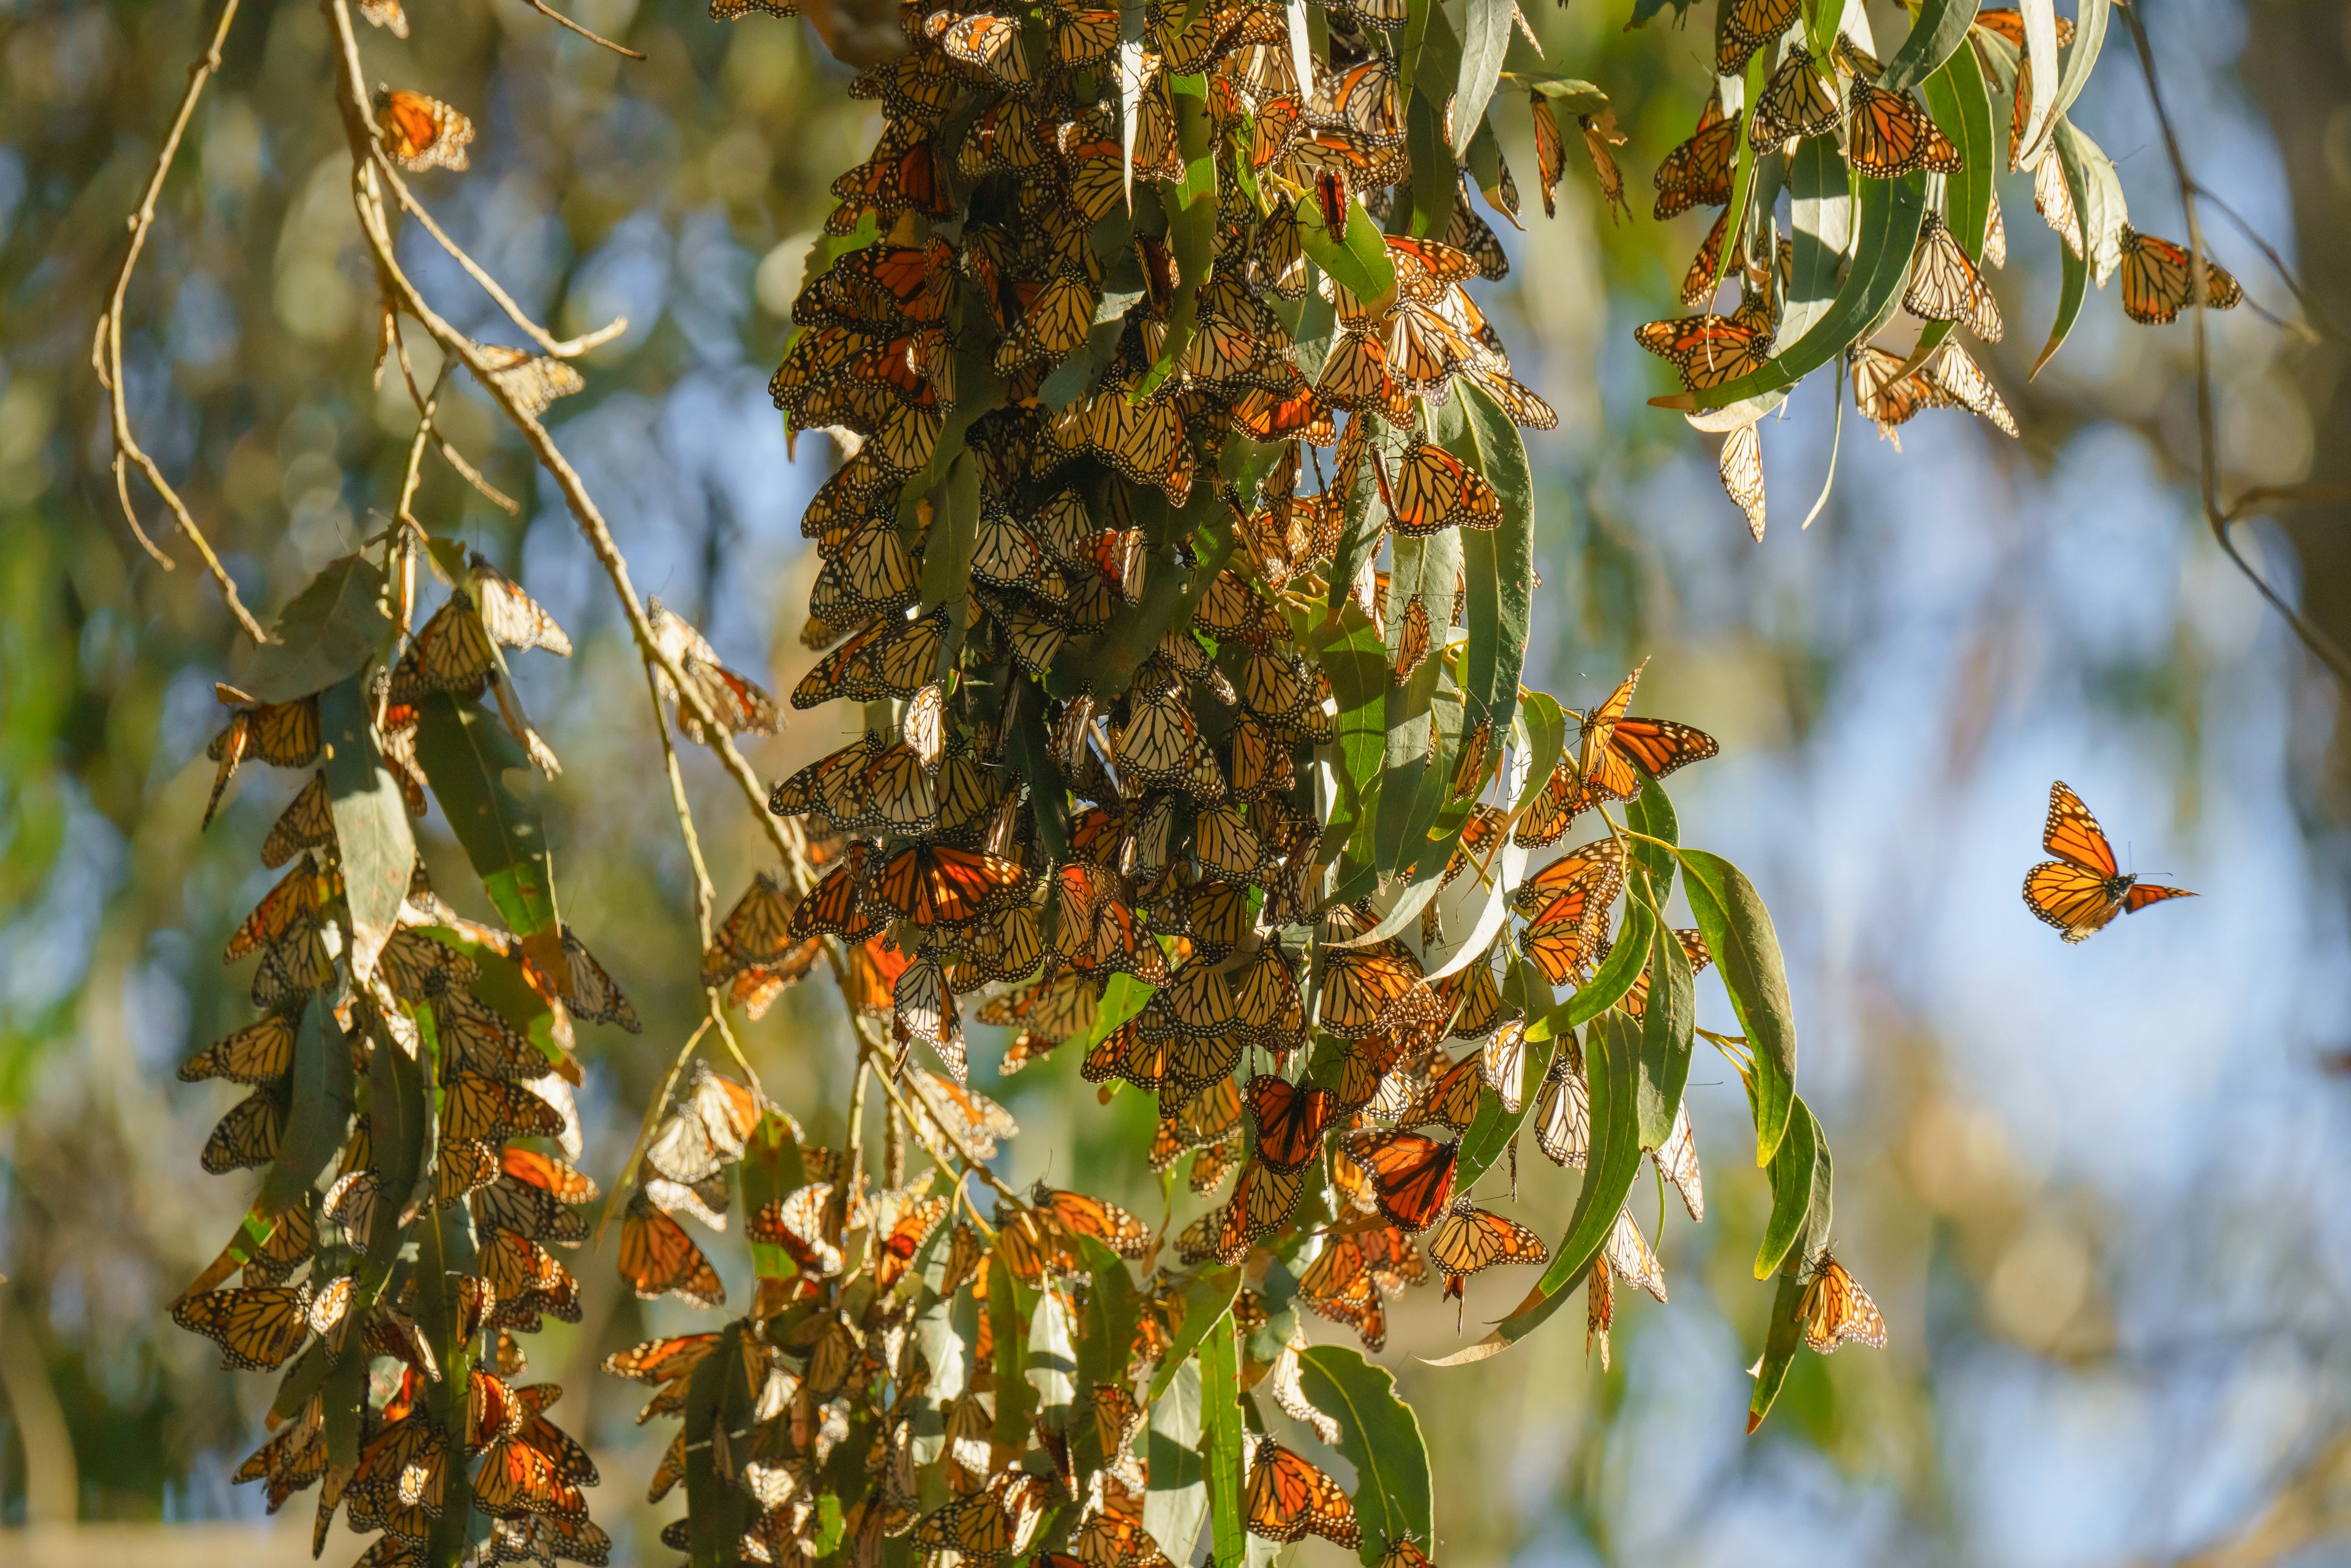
<point>369,167</point>
<point>106,349</point>
<point>552,14</point>
<point>2217,517</point>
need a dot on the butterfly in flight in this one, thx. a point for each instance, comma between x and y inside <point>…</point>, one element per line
<point>2081,890</point>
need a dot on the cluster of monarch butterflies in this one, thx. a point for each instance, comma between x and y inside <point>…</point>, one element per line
<point>1882,133</point>
<point>411,1103</point>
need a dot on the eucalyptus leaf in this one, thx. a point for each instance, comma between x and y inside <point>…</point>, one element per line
<point>1380,1435</point>
<point>1224,1432</point>
<point>1936,31</point>
<point>1738,931</point>
<point>326,632</point>
<point>372,839</point>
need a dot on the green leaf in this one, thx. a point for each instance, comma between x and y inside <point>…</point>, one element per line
<point>770,1170</point>
<point>1176,1504</point>
<point>1220,1419</point>
<point>2089,38</point>
<point>1191,224</point>
<point>1792,1191</point>
<point>955,534</point>
<point>1010,1307</point>
<point>344,1399</point>
<point>1787,1331</point>
<point>2098,202</point>
<point>1378,1435</point>
<point>396,1117</point>
<point>1937,30</point>
<point>2073,291</point>
<point>1611,1062</point>
<point>1428,60</point>
<point>1112,1309</point>
<point>1892,212</point>
<point>1643,10</point>
<point>371,833</point>
<point>1052,1358</point>
<point>1485,38</point>
<point>1650,812</point>
<point>1746,950</point>
<point>1569,95</point>
<point>1434,182</point>
<point>1207,1301</point>
<point>1357,260</point>
<point>1667,1035</point>
<point>465,754</point>
<point>2040,18</point>
<point>1121,999</point>
<point>1608,983</point>
<point>1499,562</point>
<point>1352,653</point>
<point>1742,180</point>
<point>321,1113</point>
<point>1821,212</point>
<point>327,631</point>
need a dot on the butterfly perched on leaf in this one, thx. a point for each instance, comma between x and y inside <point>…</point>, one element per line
<point>1835,1308</point>
<point>1472,1239</point>
<point>1290,1498</point>
<point>2081,890</point>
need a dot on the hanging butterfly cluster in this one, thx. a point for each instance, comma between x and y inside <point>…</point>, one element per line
<point>1222,779</point>
<point>411,1077</point>
<point>1874,175</point>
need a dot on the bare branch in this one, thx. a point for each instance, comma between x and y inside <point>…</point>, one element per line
<point>106,351</point>
<point>2216,518</point>
<point>552,14</point>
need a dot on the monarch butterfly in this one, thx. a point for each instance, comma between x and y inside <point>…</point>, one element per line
<point>1290,1121</point>
<point>476,1037</point>
<point>1884,400</point>
<point>1452,1099</point>
<point>903,175</point>
<point>1889,135</point>
<point>1361,986</point>
<point>257,1329</point>
<point>1472,1239</point>
<point>1434,490</point>
<point>2158,281</point>
<point>659,1259</point>
<point>306,823</point>
<point>1211,1116</point>
<point>1740,465</point>
<point>1995,245</point>
<point>284,735</point>
<point>1797,100</point>
<point>1564,1109</point>
<point>1267,1009</point>
<point>757,931</point>
<point>1411,1175</point>
<point>518,1478</point>
<point>1746,25</point>
<point>739,705</point>
<point>1835,1308</point>
<point>934,886</point>
<point>1944,285</point>
<point>1288,1498</point>
<point>248,1136</point>
<point>1697,173</point>
<point>1962,383</point>
<point>1630,1258</point>
<point>2052,198</point>
<point>1614,744</point>
<point>510,615</point>
<point>2007,22</point>
<point>476,1106</point>
<point>260,1052</point>
<point>662,1361</point>
<point>1708,349</point>
<point>528,1208</point>
<point>2083,889</point>
<point>806,1224</point>
<point>977,1121</point>
<point>926,1011</point>
<point>1081,1215</point>
<point>1676,1160</point>
<point>421,132</point>
<point>532,382</point>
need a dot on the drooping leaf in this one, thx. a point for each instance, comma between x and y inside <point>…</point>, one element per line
<point>1786,1333</point>
<point>1224,1432</point>
<point>1791,1192</point>
<point>1738,930</point>
<point>1485,38</point>
<point>1651,813</point>
<point>1608,984</point>
<point>1206,1300</point>
<point>1499,563</point>
<point>1666,1036</point>
<point>2098,202</point>
<point>2040,18</point>
<point>1962,106</point>
<point>1176,1504</point>
<point>1380,1435</point>
<point>320,1114</point>
<point>1940,28</point>
<point>467,754</point>
<point>1611,1064</point>
<point>1357,259</point>
<point>371,833</point>
<point>326,632</point>
<point>1191,223</point>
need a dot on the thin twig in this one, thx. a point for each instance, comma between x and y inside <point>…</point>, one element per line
<point>106,351</point>
<point>369,168</point>
<point>552,14</point>
<point>449,454</point>
<point>2317,321</point>
<point>2217,517</point>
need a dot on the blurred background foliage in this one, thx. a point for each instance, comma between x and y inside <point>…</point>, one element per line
<point>2100,1193</point>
